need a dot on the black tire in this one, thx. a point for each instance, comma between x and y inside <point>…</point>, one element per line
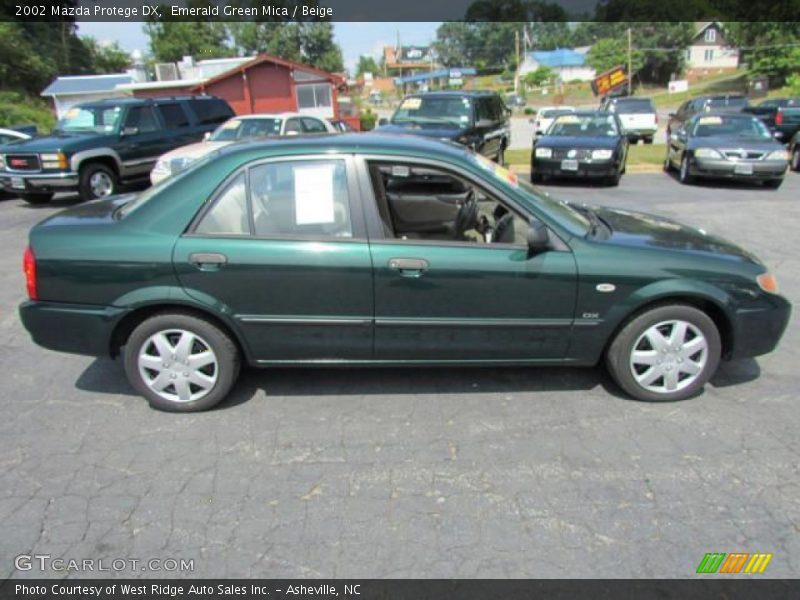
<point>38,198</point>
<point>648,140</point>
<point>537,178</point>
<point>773,183</point>
<point>684,176</point>
<point>217,340</point>
<point>613,181</point>
<point>86,191</point>
<point>795,164</point>
<point>501,156</point>
<point>619,352</point>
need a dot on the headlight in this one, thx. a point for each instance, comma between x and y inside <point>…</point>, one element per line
<point>176,165</point>
<point>768,283</point>
<point>161,165</point>
<point>602,154</point>
<point>707,153</point>
<point>778,155</point>
<point>543,152</point>
<point>54,161</point>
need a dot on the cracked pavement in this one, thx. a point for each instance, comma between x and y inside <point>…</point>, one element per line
<point>412,473</point>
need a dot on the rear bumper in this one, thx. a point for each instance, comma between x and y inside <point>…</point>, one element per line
<point>552,167</point>
<point>641,133</point>
<point>39,182</point>
<point>73,328</point>
<point>706,167</point>
<point>758,329</point>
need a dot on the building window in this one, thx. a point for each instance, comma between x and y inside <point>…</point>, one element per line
<point>709,55</point>
<point>314,95</point>
<point>711,35</point>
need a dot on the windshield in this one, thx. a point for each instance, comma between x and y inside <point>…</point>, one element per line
<point>734,103</point>
<point>99,119</point>
<point>626,107</point>
<point>241,129</point>
<point>724,125</point>
<point>577,125</point>
<point>450,111</point>
<point>554,112</point>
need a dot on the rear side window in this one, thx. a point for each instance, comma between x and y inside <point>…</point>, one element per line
<point>142,118</point>
<point>313,126</point>
<point>173,115</point>
<point>211,111</point>
<point>228,216</point>
<point>635,106</point>
<point>301,198</point>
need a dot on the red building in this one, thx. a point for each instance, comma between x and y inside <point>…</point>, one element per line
<point>265,84</point>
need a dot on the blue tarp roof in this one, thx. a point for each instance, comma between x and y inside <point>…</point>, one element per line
<point>86,84</point>
<point>433,75</point>
<point>562,57</point>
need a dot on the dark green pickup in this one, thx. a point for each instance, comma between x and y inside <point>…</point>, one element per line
<point>98,146</point>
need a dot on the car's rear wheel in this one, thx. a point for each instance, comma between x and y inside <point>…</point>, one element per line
<point>180,362</point>
<point>666,353</point>
<point>97,181</point>
<point>40,198</point>
<point>684,175</point>
<point>648,140</point>
<point>796,159</point>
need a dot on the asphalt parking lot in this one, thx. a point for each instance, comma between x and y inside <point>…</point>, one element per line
<point>412,473</point>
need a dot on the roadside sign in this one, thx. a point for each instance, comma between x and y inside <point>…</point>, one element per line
<point>609,81</point>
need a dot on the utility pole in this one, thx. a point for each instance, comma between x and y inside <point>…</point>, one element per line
<point>630,62</point>
<point>516,75</point>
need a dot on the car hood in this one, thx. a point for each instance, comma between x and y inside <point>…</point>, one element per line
<point>559,141</point>
<point>734,142</point>
<point>434,130</point>
<point>194,151</point>
<point>643,230</point>
<point>96,212</point>
<point>61,142</point>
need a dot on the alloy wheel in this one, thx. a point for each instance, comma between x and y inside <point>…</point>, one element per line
<point>101,184</point>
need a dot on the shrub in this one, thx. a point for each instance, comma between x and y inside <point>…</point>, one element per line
<point>19,109</point>
<point>368,120</point>
<point>529,111</point>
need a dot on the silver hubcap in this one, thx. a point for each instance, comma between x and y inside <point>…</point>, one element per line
<point>101,184</point>
<point>178,365</point>
<point>684,168</point>
<point>669,356</point>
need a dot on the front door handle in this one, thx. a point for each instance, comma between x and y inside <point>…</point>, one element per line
<point>208,261</point>
<point>409,267</point>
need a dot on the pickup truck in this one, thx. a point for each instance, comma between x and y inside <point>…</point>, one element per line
<point>637,115</point>
<point>99,146</point>
<point>781,115</point>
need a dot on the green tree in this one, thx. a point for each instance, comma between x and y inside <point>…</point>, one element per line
<point>610,52</point>
<point>106,58</point>
<point>273,37</point>
<point>172,40</point>
<point>539,77</point>
<point>769,48</point>
<point>319,48</point>
<point>366,64</point>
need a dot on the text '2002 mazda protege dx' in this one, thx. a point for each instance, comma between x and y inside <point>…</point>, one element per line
<point>379,250</point>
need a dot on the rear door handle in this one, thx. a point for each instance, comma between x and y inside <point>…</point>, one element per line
<point>409,267</point>
<point>208,261</point>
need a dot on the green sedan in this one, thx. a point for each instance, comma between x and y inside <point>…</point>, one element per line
<point>379,250</point>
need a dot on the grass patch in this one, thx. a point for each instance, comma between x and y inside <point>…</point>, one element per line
<point>640,154</point>
<point>18,109</point>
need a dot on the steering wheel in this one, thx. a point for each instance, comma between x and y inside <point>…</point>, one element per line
<point>467,217</point>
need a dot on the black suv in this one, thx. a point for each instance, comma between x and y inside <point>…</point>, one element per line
<point>730,103</point>
<point>97,146</point>
<point>477,119</point>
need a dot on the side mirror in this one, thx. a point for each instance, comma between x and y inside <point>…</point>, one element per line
<point>130,131</point>
<point>538,238</point>
<point>206,136</point>
<point>383,121</point>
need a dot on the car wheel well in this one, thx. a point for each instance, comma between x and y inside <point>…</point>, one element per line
<point>106,161</point>
<point>710,308</point>
<point>132,320</point>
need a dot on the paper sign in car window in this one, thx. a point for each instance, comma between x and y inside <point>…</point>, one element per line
<point>411,103</point>
<point>231,124</point>
<point>313,195</point>
<point>709,121</point>
<point>568,119</point>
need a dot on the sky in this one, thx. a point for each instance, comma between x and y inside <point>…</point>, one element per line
<point>354,38</point>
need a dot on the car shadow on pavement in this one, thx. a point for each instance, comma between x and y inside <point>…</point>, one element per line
<point>106,376</point>
<point>722,183</point>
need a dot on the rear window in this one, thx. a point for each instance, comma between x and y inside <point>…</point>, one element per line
<point>634,106</point>
<point>211,111</point>
<point>733,102</point>
<point>554,112</point>
<point>173,115</point>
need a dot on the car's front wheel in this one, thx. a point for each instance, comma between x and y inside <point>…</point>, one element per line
<point>796,159</point>
<point>181,362</point>
<point>666,353</point>
<point>685,175</point>
<point>97,181</point>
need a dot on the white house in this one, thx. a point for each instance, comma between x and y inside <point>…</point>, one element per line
<point>567,64</point>
<point>709,49</point>
<point>68,91</point>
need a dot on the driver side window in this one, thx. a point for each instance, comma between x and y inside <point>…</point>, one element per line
<point>421,203</point>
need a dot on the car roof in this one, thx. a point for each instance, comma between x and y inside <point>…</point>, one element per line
<point>133,101</point>
<point>280,115</point>
<point>455,93</point>
<point>369,143</point>
<point>726,113</point>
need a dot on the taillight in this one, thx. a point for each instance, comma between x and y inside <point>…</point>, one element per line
<point>779,118</point>
<point>29,267</point>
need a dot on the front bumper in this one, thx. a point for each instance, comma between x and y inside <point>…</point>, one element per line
<point>20,183</point>
<point>640,133</point>
<point>585,170</point>
<point>757,329</point>
<point>73,328</point>
<point>719,167</point>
